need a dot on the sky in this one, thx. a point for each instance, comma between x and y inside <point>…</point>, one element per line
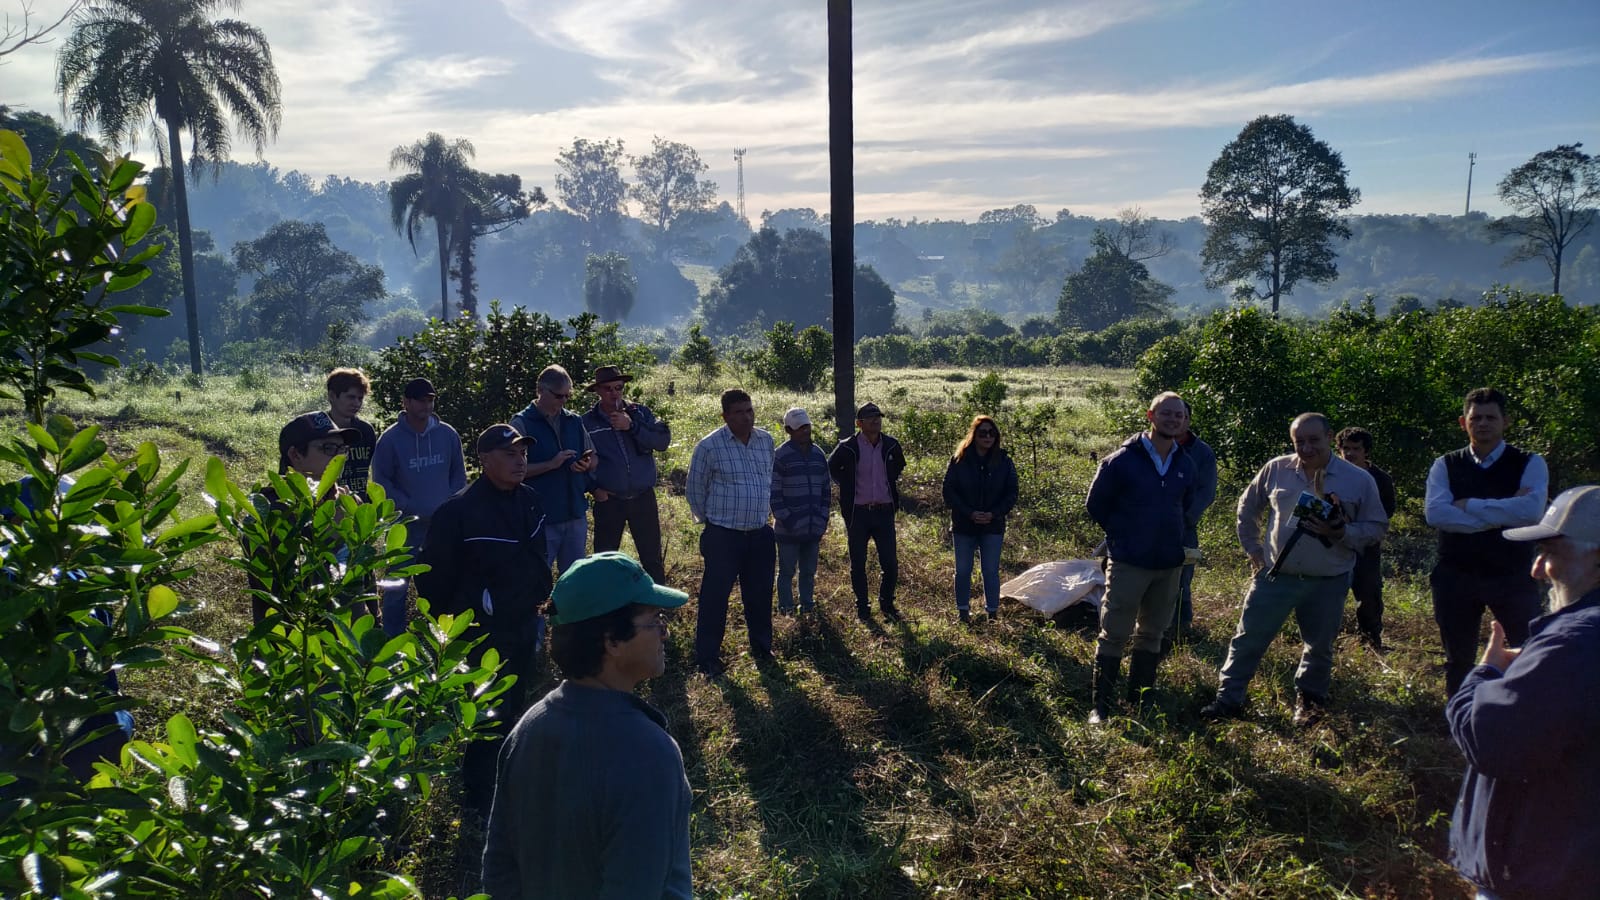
<point>960,106</point>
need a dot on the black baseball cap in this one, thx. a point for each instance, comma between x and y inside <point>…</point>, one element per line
<point>869,411</point>
<point>418,388</point>
<point>497,436</point>
<point>307,427</point>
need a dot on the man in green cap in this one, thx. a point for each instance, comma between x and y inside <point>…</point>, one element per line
<point>592,799</point>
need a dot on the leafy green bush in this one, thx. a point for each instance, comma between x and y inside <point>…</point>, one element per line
<point>986,396</point>
<point>485,374</point>
<point>699,356</point>
<point>798,362</point>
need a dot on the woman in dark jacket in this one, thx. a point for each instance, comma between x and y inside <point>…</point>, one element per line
<point>980,487</point>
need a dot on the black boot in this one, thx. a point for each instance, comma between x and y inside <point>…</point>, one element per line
<point>1142,677</point>
<point>1107,671</point>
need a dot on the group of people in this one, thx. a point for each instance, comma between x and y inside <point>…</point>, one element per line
<point>1311,523</point>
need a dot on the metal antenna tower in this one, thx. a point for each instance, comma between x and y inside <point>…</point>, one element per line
<point>738,157</point>
<point>1472,160</point>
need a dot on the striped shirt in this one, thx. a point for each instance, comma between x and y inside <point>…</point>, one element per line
<point>730,483</point>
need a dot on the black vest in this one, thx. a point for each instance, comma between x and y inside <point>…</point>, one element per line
<point>1485,552</point>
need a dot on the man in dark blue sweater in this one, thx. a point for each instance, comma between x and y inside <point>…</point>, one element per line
<point>1526,824</point>
<point>626,438</point>
<point>1141,496</point>
<point>592,799</point>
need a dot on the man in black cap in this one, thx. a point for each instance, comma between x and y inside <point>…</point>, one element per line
<point>309,441</point>
<point>867,466</point>
<point>486,553</point>
<point>626,437</point>
<point>592,799</point>
<point>419,465</point>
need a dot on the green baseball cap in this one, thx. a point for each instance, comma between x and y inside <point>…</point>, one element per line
<point>604,583</point>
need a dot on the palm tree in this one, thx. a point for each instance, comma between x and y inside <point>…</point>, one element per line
<point>438,185</point>
<point>169,62</point>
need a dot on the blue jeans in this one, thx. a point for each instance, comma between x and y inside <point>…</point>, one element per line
<point>565,542</point>
<point>394,599</point>
<point>1318,607</point>
<point>803,553</point>
<point>987,546</point>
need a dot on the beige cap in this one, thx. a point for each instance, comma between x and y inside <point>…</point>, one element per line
<point>1574,514</point>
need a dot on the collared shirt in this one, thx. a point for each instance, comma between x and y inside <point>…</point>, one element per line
<point>872,476</point>
<point>1162,465</point>
<point>1487,514</point>
<point>1276,490</point>
<point>730,482</point>
<point>554,421</point>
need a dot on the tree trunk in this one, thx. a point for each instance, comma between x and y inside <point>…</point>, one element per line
<point>842,208</point>
<point>444,270</point>
<point>191,308</point>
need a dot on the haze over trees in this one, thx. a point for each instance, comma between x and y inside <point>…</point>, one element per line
<point>125,58</point>
<point>589,182</point>
<point>304,284</point>
<point>1272,200</point>
<point>1553,197</point>
<point>669,189</point>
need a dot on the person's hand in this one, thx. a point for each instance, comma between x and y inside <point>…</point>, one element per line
<point>1525,491</point>
<point>584,463</point>
<point>1258,561</point>
<point>1460,504</point>
<point>620,420</point>
<point>982,518</point>
<point>601,495</point>
<point>1497,654</point>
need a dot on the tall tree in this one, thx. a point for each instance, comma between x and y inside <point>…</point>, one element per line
<point>609,286</point>
<point>1272,201</point>
<point>493,203</point>
<point>438,185</point>
<point>1554,196</point>
<point>128,58</point>
<point>1111,286</point>
<point>668,187</point>
<point>304,284</point>
<point>590,184</point>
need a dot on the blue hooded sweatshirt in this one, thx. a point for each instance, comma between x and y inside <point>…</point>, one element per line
<point>419,470</point>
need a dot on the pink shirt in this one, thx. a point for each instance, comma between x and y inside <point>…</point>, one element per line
<point>872,476</point>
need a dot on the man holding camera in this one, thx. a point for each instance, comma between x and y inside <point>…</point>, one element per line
<point>559,463</point>
<point>1321,511</point>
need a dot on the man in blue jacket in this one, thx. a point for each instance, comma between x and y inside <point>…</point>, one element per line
<point>559,463</point>
<point>1141,495</point>
<point>419,464</point>
<point>1527,823</point>
<point>1205,493</point>
<point>626,438</point>
<point>801,500</point>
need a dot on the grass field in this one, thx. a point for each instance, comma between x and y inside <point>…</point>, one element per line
<point>930,759</point>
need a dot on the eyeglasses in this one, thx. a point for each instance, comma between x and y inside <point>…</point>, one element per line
<point>331,448</point>
<point>566,396</point>
<point>986,432</point>
<point>657,624</point>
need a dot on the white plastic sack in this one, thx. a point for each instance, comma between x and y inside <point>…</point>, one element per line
<point>1053,586</point>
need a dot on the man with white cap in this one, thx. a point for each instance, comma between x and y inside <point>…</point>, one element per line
<point>591,798</point>
<point>802,495</point>
<point>1527,720</point>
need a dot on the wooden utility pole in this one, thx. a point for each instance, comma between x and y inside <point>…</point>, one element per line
<point>842,209</point>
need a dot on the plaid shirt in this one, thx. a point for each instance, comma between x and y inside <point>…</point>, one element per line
<point>730,483</point>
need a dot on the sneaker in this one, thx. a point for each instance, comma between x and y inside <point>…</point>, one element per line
<point>1221,709</point>
<point>863,613</point>
<point>785,610</point>
<point>712,671</point>
<point>993,614</point>
<point>889,612</point>
<point>965,616</point>
<point>1374,640</point>
<point>1308,708</point>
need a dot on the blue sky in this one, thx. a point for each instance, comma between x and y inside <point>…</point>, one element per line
<point>960,106</point>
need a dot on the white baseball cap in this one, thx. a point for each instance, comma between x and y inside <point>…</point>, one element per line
<point>795,418</point>
<point>1574,514</point>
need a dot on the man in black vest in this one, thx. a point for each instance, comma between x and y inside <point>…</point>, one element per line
<point>1474,494</point>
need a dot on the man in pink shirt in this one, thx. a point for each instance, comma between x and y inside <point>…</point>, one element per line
<point>867,467</point>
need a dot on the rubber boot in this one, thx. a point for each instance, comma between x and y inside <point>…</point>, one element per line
<point>1107,672</point>
<point>1142,678</point>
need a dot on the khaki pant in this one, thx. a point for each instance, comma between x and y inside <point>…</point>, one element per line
<point>1139,604</point>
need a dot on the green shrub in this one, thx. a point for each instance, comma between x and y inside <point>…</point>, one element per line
<point>698,355</point>
<point>797,362</point>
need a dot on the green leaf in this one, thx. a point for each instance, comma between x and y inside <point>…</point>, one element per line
<point>140,217</point>
<point>129,309</point>
<point>332,751</point>
<point>187,527</point>
<point>162,601</point>
<point>182,736</point>
<point>15,151</point>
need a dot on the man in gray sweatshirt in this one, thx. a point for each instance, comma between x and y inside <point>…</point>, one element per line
<point>419,464</point>
<point>591,799</point>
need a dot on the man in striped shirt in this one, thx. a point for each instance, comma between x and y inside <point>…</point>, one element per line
<point>730,492</point>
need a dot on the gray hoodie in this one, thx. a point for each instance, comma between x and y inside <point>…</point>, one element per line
<point>419,470</point>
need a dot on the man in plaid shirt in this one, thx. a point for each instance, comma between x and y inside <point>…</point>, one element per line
<point>730,492</point>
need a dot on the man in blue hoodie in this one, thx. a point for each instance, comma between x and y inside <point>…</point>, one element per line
<point>419,464</point>
<point>626,437</point>
<point>1526,824</point>
<point>559,463</point>
<point>1141,495</point>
